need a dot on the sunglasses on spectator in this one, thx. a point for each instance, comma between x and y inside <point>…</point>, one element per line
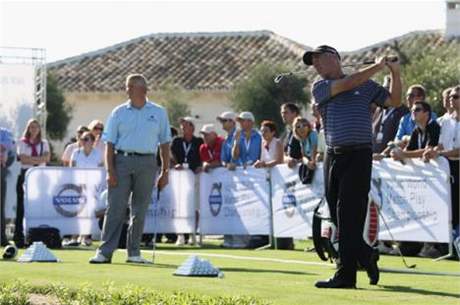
<point>298,126</point>
<point>417,110</point>
<point>86,139</point>
<point>98,128</point>
<point>455,96</point>
<point>225,120</point>
<point>264,130</point>
<point>412,95</point>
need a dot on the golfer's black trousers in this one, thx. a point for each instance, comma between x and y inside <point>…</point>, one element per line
<point>347,177</point>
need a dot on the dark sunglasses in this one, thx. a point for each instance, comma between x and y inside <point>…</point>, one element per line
<point>300,126</point>
<point>412,95</point>
<point>455,96</point>
<point>86,139</point>
<point>98,128</point>
<point>417,110</point>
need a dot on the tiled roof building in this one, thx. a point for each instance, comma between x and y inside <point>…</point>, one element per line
<point>206,61</point>
<point>197,61</point>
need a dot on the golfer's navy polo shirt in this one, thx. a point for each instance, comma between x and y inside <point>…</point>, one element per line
<point>347,116</point>
<point>137,130</point>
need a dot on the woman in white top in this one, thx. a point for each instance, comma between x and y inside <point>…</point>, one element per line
<point>87,156</point>
<point>272,148</point>
<point>97,127</point>
<point>84,157</point>
<point>69,149</point>
<point>32,151</point>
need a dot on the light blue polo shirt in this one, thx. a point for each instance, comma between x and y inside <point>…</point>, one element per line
<point>137,130</point>
<point>6,138</point>
<point>226,150</point>
<point>249,150</point>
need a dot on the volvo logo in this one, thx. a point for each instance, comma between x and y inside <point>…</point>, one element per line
<point>289,199</point>
<point>70,200</point>
<point>215,198</point>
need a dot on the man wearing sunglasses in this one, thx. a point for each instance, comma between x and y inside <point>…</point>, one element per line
<point>424,136</point>
<point>344,102</point>
<point>415,93</point>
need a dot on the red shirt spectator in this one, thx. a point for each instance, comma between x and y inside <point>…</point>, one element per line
<point>210,153</point>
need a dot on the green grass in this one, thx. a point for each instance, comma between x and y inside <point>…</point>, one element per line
<point>268,281</point>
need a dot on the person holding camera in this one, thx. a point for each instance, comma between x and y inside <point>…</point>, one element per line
<point>344,102</point>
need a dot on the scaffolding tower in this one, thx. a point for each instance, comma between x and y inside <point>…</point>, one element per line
<point>37,58</point>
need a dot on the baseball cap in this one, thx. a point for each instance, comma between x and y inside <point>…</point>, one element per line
<point>187,119</point>
<point>208,128</point>
<point>307,57</point>
<point>246,115</point>
<point>227,115</point>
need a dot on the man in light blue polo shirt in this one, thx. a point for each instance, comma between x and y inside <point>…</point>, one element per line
<point>132,134</point>
<point>247,144</point>
<point>6,159</point>
<point>344,102</point>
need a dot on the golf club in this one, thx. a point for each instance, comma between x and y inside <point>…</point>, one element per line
<point>394,242</point>
<point>154,241</point>
<point>280,76</point>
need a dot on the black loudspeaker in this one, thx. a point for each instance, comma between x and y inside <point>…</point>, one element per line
<point>48,235</point>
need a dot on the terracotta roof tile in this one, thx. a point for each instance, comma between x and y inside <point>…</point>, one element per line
<point>205,61</point>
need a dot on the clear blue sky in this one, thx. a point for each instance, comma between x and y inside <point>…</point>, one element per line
<point>68,28</point>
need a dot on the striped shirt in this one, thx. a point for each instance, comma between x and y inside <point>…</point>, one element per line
<point>346,116</point>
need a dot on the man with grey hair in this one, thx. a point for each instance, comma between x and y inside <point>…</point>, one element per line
<point>132,134</point>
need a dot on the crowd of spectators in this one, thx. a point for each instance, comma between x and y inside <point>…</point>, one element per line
<point>410,131</point>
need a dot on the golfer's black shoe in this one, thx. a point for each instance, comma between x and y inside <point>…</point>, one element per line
<point>335,282</point>
<point>372,269</point>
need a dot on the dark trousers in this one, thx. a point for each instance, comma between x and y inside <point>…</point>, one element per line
<point>347,178</point>
<point>2,205</point>
<point>455,188</point>
<point>18,228</point>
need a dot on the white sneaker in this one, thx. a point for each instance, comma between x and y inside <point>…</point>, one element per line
<point>99,259</point>
<point>180,240</point>
<point>137,260</point>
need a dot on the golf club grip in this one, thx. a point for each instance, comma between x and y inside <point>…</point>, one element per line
<point>389,59</point>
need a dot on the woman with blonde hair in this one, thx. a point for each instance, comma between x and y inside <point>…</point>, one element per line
<point>96,127</point>
<point>32,151</point>
<point>308,138</point>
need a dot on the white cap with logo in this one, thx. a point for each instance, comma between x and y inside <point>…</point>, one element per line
<point>208,128</point>
<point>227,115</point>
<point>246,115</point>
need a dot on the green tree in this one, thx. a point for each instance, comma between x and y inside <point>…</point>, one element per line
<point>263,97</point>
<point>59,113</point>
<point>436,69</point>
<point>172,97</point>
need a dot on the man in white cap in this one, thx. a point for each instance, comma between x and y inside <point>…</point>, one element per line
<point>228,121</point>
<point>211,149</point>
<point>248,142</point>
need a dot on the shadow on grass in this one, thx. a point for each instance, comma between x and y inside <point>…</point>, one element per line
<point>407,289</point>
<point>253,270</point>
<point>415,272</point>
<point>153,266</point>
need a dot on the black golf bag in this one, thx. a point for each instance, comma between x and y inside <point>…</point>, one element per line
<point>326,235</point>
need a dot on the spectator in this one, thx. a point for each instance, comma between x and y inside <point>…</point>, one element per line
<point>385,124</point>
<point>211,149</point>
<point>449,147</point>
<point>292,150</point>
<point>6,159</point>
<point>185,152</point>
<point>424,138</point>
<point>447,106</point>
<point>318,126</point>
<point>33,150</point>
<point>425,135</point>
<point>272,148</point>
<point>415,93</point>
<point>227,119</point>
<point>97,127</point>
<point>247,143</point>
<point>72,146</point>
<point>87,156</point>
<point>308,139</point>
